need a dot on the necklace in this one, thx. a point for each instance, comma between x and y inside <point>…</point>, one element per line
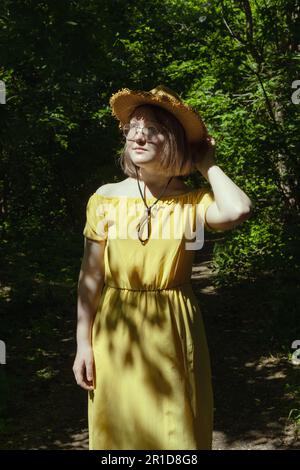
<point>146,218</point>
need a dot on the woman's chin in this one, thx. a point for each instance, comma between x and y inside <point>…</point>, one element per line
<point>140,160</point>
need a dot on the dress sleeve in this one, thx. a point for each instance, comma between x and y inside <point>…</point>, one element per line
<point>96,225</point>
<point>203,202</point>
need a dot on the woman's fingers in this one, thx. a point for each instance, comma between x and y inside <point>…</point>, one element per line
<point>82,376</point>
<point>89,370</point>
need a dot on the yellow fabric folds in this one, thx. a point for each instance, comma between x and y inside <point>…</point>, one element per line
<point>153,387</point>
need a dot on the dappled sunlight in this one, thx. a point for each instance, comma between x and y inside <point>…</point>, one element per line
<point>255,386</point>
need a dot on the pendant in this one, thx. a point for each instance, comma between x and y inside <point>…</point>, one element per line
<point>144,225</point>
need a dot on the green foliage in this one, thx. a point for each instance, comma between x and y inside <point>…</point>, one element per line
<point>61,61</point>
<point>234,65</point>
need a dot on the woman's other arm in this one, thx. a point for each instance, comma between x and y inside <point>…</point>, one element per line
<point>90,285</point>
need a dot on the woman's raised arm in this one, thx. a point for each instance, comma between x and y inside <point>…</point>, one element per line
<point>232,205</point>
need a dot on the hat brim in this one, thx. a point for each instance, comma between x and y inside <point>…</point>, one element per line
<point>125,101</point>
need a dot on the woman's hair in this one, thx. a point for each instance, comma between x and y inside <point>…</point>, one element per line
<point>176,155</point>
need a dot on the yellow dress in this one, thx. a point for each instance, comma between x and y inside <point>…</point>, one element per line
<point>153,388</point>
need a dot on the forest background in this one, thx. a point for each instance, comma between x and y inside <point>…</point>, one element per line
<point>237,63</point>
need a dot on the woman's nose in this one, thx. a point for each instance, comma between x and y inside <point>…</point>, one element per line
<point>139,134</point>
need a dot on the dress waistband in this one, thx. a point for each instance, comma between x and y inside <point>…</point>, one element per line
<point>156,289</point>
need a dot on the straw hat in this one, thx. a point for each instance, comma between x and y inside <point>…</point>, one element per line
<point>124,101</point>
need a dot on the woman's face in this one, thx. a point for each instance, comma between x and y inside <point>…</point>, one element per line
<point>149,157</point>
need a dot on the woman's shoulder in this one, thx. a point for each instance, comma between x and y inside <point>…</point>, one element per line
<point>126,188</point>
<point>113,189</point>
<point>129,188</point>
<point>105,189</point>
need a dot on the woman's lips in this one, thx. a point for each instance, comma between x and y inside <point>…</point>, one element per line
<point>140,150</point>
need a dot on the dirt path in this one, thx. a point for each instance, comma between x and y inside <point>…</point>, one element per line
<point>252,401</point>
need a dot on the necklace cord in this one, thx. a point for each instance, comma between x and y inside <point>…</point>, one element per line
<point>144,197</point>
<point>148,209</point>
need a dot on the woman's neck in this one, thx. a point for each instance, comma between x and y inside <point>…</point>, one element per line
<point>157,182</point>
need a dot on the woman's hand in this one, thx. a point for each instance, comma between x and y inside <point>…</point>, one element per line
<point>204,154</point>
<point>83,367</point>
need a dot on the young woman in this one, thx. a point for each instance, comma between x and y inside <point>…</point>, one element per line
<point>142,352</point>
